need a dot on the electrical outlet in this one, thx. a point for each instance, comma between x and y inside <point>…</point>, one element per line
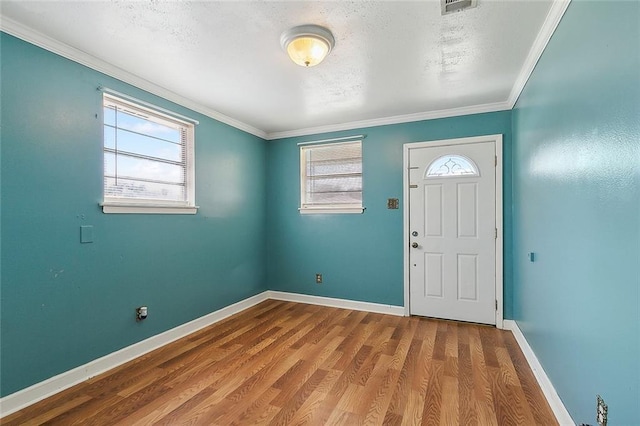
<point>141,313</point>
<point>601,411</point>
<point>318,278</point>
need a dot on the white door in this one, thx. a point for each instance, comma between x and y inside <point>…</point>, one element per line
<point>452,221</point>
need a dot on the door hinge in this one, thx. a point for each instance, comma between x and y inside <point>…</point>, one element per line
<point>496,234</point>
<point>496,304</point>
<point>496,164</point>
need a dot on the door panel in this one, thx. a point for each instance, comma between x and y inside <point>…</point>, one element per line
<point>468,277</point>
<point>433,210</point>
<point>452,210</point>
<point>467,210</point>
<point>433,267</point>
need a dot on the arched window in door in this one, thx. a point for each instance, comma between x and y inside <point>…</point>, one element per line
<point>451,165</point>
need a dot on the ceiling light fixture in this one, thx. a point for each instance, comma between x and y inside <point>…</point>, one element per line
<point>307,45</point>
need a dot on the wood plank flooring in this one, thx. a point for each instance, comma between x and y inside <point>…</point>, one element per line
<point>282,363</point>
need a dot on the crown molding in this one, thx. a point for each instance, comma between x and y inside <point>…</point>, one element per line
<point>32,36</point>
<point>396,119</point>
<point>556,12</point>
<point>551,22</point>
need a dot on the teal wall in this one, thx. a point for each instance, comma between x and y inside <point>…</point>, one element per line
<point>64,303</point>
<point>576,186</point>
<point>575,199</point>
<point>361,255</point>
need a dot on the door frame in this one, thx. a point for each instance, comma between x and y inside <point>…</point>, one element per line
<point>499,244</point>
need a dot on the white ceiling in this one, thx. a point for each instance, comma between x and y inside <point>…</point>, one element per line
<point>393,61</point>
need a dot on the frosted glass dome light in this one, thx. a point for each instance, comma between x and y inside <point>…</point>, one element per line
<point>307,45</point>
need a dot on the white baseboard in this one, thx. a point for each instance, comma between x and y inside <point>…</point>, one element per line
<point>561,413</point>
<point>337,303</point>
<point>39,391</point>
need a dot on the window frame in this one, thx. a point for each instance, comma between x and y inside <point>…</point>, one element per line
<point>145,205</point>
<point>336,208</point>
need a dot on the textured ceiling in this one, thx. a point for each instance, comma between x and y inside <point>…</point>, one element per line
<point>391,59</point>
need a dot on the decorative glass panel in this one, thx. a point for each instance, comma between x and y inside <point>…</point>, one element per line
<point>451,165</point>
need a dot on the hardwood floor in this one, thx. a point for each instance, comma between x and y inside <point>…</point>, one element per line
<point>285,363</point>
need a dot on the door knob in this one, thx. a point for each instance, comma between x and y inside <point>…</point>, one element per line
<point>414,245</point>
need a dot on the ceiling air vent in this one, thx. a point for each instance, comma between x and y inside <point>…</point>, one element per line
<point>450,6</point>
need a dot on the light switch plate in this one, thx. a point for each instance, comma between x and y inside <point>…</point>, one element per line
<point>86,234</point>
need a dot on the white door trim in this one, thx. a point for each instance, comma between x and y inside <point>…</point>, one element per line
<point>497,139</point>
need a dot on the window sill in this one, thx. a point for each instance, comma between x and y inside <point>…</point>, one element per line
<point>132,208</point>
<point>334,210</point>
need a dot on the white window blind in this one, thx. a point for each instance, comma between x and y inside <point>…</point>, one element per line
<point>331,177</point>
<point>148,156</point>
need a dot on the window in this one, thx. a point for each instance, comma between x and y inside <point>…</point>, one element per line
<point>148,160</point>
<point>331,178</point>
<point>451,165</point>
